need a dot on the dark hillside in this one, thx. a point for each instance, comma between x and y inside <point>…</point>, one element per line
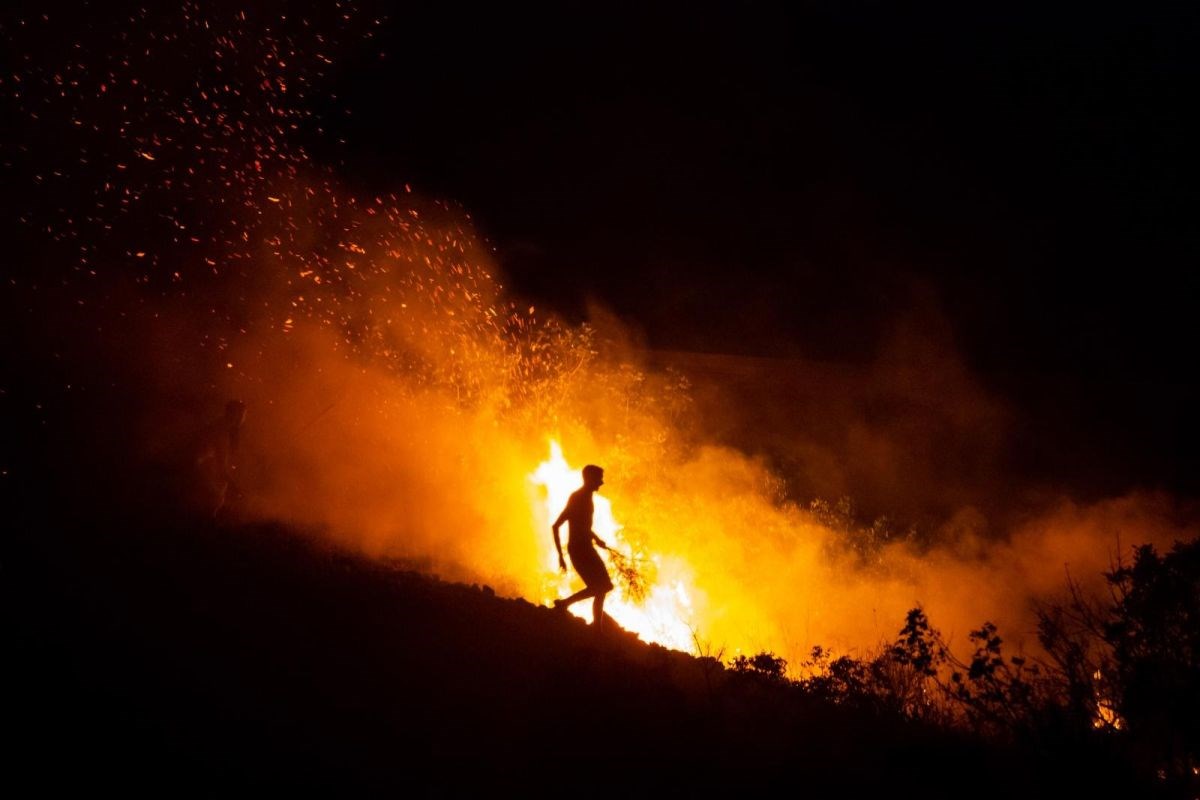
<point>192,659</point>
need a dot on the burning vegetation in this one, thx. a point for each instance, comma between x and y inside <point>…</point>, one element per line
<point>399,400</point>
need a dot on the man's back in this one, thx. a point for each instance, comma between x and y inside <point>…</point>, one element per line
<point>579,518</point>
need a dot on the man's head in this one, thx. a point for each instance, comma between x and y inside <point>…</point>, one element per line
<point>593,477</point>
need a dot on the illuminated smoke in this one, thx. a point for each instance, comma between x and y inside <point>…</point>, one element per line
<point>401,402</point>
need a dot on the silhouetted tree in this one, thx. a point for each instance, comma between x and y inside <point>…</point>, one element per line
<point>1154,632</point>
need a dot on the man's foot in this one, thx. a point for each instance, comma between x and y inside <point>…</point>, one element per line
<point>559,605</point>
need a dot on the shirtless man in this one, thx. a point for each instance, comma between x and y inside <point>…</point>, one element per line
<point>585,559</point>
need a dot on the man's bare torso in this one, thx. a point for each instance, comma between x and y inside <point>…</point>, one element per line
<point>579,519</point>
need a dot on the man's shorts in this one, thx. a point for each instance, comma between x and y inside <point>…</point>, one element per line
<point>587,563</point>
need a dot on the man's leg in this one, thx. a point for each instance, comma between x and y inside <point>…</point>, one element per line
<point>598,610</point>
<point>582,594</point>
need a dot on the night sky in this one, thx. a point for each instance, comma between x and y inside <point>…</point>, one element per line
<point>785,181</point>
<point>791,180</point>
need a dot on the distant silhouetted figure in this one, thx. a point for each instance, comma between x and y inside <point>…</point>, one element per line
<point>585,559</point>
<point>214,457</point>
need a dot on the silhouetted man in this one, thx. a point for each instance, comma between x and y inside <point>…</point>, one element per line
<point>585,559</point>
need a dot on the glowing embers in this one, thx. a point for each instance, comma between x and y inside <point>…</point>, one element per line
<point>655,603</point>
<point>1107,716</point>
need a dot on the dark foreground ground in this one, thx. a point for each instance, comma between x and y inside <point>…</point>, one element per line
<point>186,659</point>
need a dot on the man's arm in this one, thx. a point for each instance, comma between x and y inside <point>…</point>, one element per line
<point>599,541</point>
<point>562,564</point>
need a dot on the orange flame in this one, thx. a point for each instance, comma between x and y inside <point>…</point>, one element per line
<point>664,615</point>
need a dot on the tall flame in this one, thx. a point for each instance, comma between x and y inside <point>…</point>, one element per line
<point>664,614</point>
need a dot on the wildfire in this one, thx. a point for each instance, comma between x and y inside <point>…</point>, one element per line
<point>1106,712</point>
<point>1107,716</point>
<point>662,610</point>
<point>403,348</point>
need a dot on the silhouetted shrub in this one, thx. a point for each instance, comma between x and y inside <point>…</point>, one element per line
<point>764,665</point>
<point>1126,669</point>
<point>991,693</point>
<point>1132,666</point>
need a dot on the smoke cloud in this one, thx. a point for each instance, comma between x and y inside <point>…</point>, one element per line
<point>399,398</point>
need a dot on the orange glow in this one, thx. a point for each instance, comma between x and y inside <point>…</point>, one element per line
<point>1106,712</point>
<point>665,614</point>
<point>1107,716</point>
<point>400,400</point>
